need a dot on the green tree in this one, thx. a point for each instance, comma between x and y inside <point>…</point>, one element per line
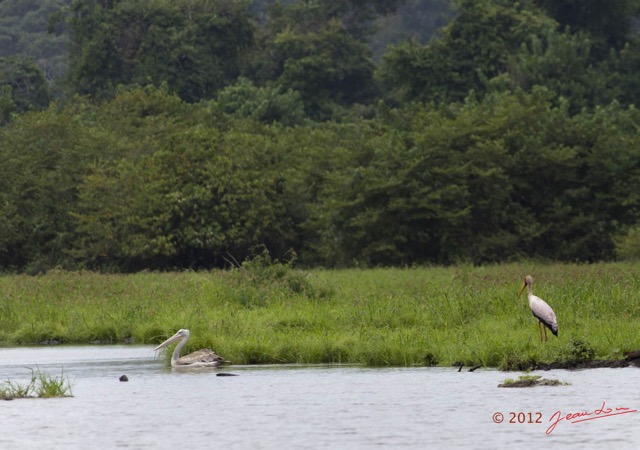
<point>476,46</point>
<point>561,62</point>
<point>201,196</point>
<point>28,86</point>
<point>195,48</point>
<point>44,155</point>
<point>320,49</point>
<point>7,105</point>
<point>182,186</point>
<point>628,245</point>
<point>414,20</point>
<point>266,104</point>
<point>24,32</point>
<point>609,23</point>
<point>512,175</point>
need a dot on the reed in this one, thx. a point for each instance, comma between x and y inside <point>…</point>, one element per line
<point>270,313</point>
<point>41,385</point>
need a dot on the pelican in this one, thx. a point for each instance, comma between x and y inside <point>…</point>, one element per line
<point>200,358</point>
<point>543,312</point>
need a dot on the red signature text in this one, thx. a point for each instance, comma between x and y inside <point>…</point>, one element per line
<point>583,416</point>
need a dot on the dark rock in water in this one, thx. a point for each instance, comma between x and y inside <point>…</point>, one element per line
<point>124,378</point>
<point>225,374</point>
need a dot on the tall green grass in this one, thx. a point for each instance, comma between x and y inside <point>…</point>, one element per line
<point>41,385</point>
<point>267,312</point>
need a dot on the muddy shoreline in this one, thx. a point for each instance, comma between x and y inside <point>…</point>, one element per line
<point>632,359</point>
<point>595,364</point>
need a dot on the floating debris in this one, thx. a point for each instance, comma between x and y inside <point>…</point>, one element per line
<point>531,381</point>
<point>225,374</point>
<point>461,365</point>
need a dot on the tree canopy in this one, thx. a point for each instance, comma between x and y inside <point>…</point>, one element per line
<point>186,134</point>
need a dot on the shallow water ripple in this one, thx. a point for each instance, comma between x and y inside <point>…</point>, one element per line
<point>302,407</point>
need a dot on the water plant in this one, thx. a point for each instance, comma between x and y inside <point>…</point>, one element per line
<point>41,385</point>
<point>528,380</point>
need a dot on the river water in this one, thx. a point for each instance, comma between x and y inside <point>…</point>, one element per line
<point>307,407</point>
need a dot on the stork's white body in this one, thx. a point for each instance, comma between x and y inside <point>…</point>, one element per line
<point>540,309</point>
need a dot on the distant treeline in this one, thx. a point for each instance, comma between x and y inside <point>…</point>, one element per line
<point>192,133</point>
<point>147,180</point>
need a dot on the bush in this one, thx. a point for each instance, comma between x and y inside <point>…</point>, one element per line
<point>578,351</point>
<point>628,245</point>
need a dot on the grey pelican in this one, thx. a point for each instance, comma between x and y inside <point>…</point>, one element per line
<point>540,309</point>
<point>200,358</point>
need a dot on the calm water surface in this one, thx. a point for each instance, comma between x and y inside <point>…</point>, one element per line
<point>303,407</point>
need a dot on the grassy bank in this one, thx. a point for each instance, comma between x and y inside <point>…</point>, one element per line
<point>272,314</point>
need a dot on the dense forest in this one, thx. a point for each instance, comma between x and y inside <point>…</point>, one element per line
<point>172,134</point>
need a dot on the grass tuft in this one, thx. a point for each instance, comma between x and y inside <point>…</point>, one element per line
<point>41,385</point>
<point>531,381</point>
<point>578,351</point>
